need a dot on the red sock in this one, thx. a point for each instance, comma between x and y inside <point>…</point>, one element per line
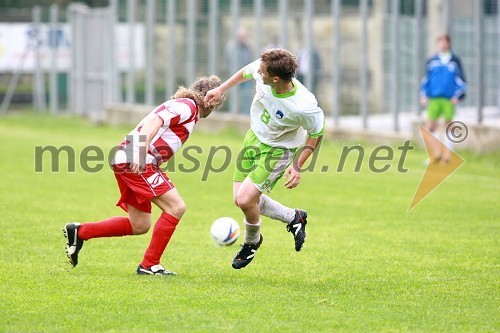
<point>114,226</point>
<point>163,230</point>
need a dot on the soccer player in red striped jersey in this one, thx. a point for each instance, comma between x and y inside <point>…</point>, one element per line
<point>141,181</point>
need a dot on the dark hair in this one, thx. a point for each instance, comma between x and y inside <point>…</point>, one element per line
<point>445,37</point>
<point>280,63</point>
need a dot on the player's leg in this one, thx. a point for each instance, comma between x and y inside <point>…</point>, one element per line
<point>140,220</point>
<point>265,176</point>
<point>173,207</point>
<point>134,191</point>
<point>247,198</point>
<point>432,125</point>
<point>434,145</point>
<point>137,223</point>
<point>446,155</point>
<point>252,220</point>
<point>236,187</point>
<point>132,188</point>
<point>449,114</point>
<point>295,219</point>
<point>434,110</point>
<point>275,210</point>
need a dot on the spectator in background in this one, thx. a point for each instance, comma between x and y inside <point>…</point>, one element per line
<point>303,58</point>
<point>244,56</point>
<point>274,43</point>
<point>442,87</point>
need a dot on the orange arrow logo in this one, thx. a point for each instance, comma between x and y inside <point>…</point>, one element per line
<point>436,172</point>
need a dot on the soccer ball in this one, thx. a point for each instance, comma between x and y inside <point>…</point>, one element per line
<point>225,231</point>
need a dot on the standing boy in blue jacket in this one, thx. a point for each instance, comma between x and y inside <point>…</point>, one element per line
<point>441,89</point>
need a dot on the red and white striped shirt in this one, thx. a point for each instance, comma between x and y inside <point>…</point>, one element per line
<point>179,117</point>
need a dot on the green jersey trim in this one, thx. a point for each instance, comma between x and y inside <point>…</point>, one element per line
<point>247,75</point>
<point>320,133</point>
<point>285,95</point>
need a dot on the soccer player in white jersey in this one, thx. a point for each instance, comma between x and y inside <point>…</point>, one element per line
<point>284,116</point>
<point>141,180</point>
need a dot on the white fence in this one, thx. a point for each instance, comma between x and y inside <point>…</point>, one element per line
<point>372,52</point>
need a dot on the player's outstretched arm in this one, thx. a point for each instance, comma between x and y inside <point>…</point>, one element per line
<point>215,94</point>
<point>292,174</point>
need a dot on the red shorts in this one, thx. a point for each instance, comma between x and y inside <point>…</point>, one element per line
<point>138,190</point>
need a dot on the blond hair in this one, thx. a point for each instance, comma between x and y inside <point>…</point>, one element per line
<point>198,90</point>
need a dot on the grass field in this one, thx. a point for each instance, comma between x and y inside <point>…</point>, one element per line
<point>368,265</point>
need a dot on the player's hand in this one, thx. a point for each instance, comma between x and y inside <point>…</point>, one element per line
<point>136,168</point>
<point>292,177</point>
<point>423,101</point>
<point>212,97</point>
<point>454,100</point>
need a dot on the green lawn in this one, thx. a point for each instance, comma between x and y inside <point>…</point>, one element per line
<point>368,264</point>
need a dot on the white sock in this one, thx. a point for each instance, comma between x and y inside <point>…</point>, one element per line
<point>252,232</point>
<point>273,209</point>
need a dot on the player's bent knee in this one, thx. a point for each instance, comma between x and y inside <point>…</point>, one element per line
<point>141,227</point>
<point>243,201</point>
<point>178,209</point>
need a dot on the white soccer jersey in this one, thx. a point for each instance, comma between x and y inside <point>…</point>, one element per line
<point>283,120</point>
<point>179,117</point>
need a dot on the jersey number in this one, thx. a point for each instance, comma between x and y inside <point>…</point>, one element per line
<point>265,116</point>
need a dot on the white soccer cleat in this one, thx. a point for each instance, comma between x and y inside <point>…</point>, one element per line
<point>154,270</point>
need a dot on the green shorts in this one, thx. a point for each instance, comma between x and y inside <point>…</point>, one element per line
<point>438,107</point>
<point>263,164</point>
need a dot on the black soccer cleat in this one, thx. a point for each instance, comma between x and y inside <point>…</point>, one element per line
<point>245,254</point>
<point>74,243</point>
<point>298,228</point>
<point>154,270</point>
